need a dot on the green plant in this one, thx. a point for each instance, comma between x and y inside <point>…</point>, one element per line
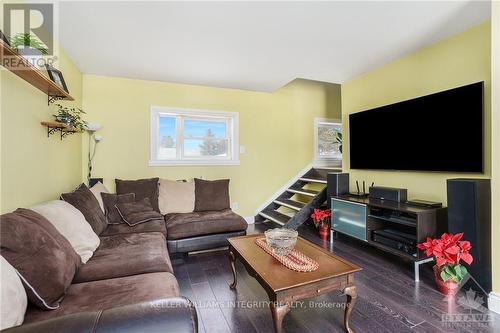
<point>71,116</point>
<point>454,272</point>
<point>29,40</point>
<point>338,137</point>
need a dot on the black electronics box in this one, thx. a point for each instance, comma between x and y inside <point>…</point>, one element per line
<point>396,240</point>
<point>388,193</point>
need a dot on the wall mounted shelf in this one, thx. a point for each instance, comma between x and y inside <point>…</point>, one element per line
<point>55,127</point>
<point>18,65</point>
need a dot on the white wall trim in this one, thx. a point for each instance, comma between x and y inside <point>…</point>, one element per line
<point>494,302</point>
<point>250,219</point>
<point>284,188</point>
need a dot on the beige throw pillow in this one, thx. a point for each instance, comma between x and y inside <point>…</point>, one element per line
<point>176,196</point>
<point>96,190</point>
<point>13,298</point>
<point>71,223</point>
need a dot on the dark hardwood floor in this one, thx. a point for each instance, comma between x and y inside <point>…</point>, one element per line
<point>388,298</point>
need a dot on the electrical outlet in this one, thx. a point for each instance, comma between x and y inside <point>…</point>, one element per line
<point>235,206</point>
<point>243,149</point>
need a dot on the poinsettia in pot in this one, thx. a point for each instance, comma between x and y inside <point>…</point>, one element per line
<point>321,219</point>
<point>448,251</point>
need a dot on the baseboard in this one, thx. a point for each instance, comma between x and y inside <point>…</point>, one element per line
<point>284,188</point>
<point>250,219</point>
<point>494,302</point>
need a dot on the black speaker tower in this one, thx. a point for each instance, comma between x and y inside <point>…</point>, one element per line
<point>469,211</point>
<point>337,184</point>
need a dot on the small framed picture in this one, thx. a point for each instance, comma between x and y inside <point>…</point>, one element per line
<point>4,38</point>
<point>57,77</point>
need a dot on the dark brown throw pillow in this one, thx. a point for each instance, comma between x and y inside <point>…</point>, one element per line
<point>44,259</point>
<point>142,188</point>
<point>110,201</point>
<point>211,194</point>
<point>137,212</point>
<point>85,201</point>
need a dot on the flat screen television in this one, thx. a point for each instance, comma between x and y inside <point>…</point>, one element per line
<point>438,132</point>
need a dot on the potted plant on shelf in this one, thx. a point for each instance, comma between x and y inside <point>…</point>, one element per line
<point>321,219</point>
<point>71,117</point>
<point>29,46</point>
<point>448,251</point>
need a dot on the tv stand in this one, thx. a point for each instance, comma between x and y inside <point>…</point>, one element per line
<point>360,217</point>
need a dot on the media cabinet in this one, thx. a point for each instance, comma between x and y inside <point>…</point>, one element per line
<point>360,217</point>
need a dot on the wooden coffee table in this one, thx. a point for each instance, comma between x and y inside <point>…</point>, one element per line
<point>284,285</point>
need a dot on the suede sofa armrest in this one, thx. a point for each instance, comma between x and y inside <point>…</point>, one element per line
<point>176,314</point>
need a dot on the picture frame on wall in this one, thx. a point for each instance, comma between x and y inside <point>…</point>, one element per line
<point>57,77</point>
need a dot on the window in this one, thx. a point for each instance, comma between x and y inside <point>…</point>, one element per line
<point>188,137</point>
<point>328,140</point>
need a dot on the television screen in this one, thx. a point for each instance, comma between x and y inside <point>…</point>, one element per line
<point>438,132</point>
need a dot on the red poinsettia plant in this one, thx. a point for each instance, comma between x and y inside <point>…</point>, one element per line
<point>448,251</point>
<point>321,217</point>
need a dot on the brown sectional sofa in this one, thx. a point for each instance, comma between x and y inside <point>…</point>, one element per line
<point>202,230</point>
<point>127,286</point>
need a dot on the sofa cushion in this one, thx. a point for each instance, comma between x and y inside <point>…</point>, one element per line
<point>142,188</point>
<point>86,203</point>
<point>203,223</point>
<point>137,212</point>
<point>96,190</point>
<point>71,223</point>
<point>176,196</point>
<point>43,258</point>
<point>123,228</point>
<point>110,200</point>
<point>211,195</point>
<point>13,299</point>
<point>105,294</point>
<point>125,255</point>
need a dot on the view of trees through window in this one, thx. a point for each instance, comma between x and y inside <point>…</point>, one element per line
<point>200,137</point>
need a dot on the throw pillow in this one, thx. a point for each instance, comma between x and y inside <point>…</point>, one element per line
<point>13,299</point>
<point>211,195</point>
<point>176,196</point>
<point>137,212</point>
<point>71,223</point>
<point>142,188</point>
<point>96,190</point>
<point>110,201</point>
<point>43,258</point>
<point>83,199</point>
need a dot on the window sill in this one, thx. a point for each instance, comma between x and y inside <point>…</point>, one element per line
<point>193,163</point>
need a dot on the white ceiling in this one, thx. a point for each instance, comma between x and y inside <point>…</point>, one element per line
<point>255,46</point>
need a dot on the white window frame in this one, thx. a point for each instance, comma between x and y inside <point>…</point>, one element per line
<point>321,160</point>
<point>232,128</point>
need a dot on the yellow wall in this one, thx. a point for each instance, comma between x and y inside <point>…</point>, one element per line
<point>495,137</point>
<point>276,129</point>
<point>456,61</point>
<point>35,168</point>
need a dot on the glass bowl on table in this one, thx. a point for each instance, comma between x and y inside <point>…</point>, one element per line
<point>281,240</point>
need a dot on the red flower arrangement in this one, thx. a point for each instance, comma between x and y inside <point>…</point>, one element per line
<point>321,217</point>
<point>448,251</point>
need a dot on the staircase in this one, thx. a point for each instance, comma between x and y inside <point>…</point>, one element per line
<point>295,205</point>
